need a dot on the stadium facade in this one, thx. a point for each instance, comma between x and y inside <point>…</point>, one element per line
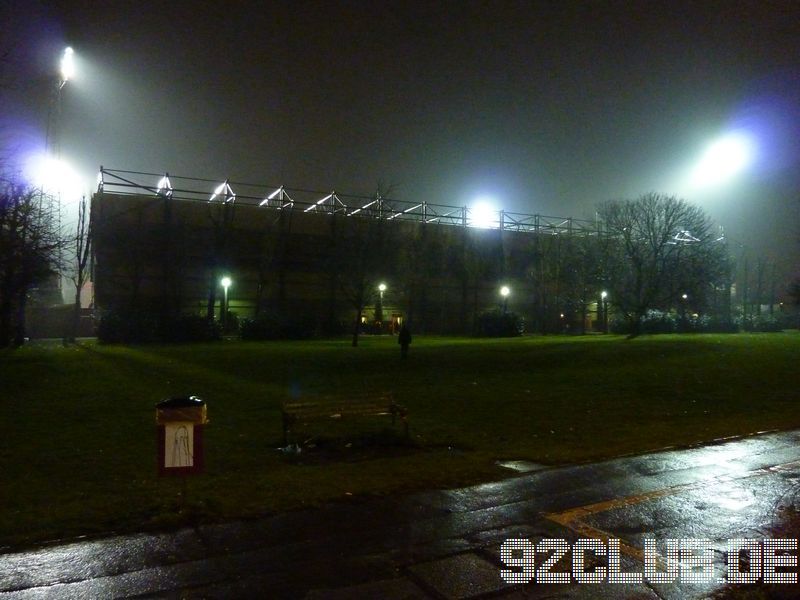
<point>163,244</point>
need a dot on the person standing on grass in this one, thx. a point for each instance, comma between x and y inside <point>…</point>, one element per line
<point>404,339</point>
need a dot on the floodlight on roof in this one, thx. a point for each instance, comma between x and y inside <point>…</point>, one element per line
<point>67,65</point>
<point>224,188</point>
<point>164,186</point>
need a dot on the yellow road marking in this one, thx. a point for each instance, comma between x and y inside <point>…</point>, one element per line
<point>573,518</point>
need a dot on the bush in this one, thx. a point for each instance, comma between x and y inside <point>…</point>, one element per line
<point>656,321</point>
<point>653,321</point>
<point>709,324</point>
<point>496,323</point>
<point>117,327</point>
<point>189,328</point>
<point>760,323</point>
<point>274,325</point>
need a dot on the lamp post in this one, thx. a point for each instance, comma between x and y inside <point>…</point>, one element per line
<point>684,298</point>
<point>379,308</point>
<point>226,283</point>
<point>504,292</point>
<point>604,309</point>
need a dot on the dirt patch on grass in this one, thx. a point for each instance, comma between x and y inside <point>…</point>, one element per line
<point>319,450</point>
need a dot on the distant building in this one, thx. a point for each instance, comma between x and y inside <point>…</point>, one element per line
<point>165,251</point>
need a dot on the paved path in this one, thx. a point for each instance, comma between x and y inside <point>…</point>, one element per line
<point>443,544</point>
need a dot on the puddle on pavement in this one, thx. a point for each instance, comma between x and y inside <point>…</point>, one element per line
<point>520,466</point>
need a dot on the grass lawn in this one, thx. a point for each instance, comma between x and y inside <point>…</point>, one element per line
<point>77,445</point>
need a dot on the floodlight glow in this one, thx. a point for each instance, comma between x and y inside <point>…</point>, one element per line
<point>505,291</point>
<point>226,282</point>
<point>54,176</point>
<point>225,187</point>
<point>723,159</point>
<point>319,202</point>
<point>483,214</point>
<point>358,210</point>
<point>604,294</point>
<point>164,186</point>
<point>67,65</point>
<point>382,287</point>
<point>684,296</point>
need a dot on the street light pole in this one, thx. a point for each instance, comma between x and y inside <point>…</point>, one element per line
<point>684,298</point>
<point>226,283</point>
<point>379,308</point>
<point>504,292</point>
<point>604,309</point>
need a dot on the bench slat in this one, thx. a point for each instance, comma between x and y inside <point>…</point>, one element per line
<point>322,408</point>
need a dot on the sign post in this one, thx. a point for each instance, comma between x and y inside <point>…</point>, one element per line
<point>179,429</point>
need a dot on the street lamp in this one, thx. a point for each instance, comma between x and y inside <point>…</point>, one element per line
<point>604,308</point>
<point>684,298</point>
<point>379,307</point>
<point>226,283</point>
<point>504,292</point>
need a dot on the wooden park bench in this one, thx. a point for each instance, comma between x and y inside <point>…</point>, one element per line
<point>330,408</point>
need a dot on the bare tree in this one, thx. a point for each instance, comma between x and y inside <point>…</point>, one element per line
<point>30,245</point>
<point>662,249</point>
<point>81,246</point>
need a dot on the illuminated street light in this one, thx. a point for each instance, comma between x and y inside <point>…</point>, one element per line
<point>684,297</point>
<point>723,159</point>
<point>379,307</point>
<point>504,292</point>
<point>604,309</point>
<point>226,283</point>
<point>67,66</point>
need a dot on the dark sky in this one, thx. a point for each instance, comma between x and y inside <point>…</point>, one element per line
<point>547,107</point>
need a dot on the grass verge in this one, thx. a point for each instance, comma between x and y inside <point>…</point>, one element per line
<point>77,446</point>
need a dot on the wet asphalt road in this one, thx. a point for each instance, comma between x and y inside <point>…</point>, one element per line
<point>445,544</point>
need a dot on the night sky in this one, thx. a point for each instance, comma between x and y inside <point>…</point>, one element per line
<point>544,107</point>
